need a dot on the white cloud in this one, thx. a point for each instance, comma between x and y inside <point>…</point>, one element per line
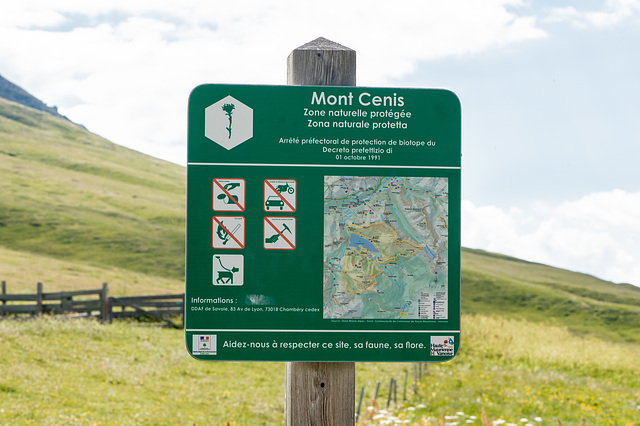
<point>125,68</point>
<point>613,13</point>
<point>596,234</point>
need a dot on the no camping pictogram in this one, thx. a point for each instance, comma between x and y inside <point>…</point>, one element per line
<point>280,195</point>
<point>279,233</point>
<point>229,195</point>
<point>228,232</point>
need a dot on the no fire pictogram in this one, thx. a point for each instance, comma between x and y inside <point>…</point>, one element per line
<point>280,195</point>
<point>228,232</point>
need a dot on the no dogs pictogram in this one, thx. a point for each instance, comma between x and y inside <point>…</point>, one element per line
<point>228,269</point>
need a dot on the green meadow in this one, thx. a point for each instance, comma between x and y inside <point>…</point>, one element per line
<point>540,345</point>
<point>62,371</point>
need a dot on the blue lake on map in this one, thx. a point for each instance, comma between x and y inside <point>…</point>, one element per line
<point>356,241</point>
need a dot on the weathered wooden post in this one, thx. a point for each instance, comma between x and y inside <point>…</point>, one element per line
<point>320,393</point>
<point>105,308</point>
<point>4,293</point>
<point>39,299</point>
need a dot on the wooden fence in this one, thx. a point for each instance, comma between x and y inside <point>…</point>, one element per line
<point>93,303</point>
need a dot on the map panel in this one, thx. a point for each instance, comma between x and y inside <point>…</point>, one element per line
<point>386,248</point>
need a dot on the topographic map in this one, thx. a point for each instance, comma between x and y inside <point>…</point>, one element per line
<point>385,247</point>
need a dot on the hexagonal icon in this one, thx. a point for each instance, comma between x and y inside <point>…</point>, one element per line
<point>228,122</point>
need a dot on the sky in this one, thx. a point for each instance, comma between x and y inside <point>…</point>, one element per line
<point>550,94</point>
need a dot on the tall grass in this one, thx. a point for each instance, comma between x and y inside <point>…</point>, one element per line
<point>59,372</point>
<point>514,369</point>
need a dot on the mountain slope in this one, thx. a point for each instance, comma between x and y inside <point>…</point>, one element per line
<point>505,286</point>
<point>72,195</point>
<point>16,94</point>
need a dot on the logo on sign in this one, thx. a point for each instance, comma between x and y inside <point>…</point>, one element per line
<point>228,122</point>
<point>204,344</point>
<point>442,346</point>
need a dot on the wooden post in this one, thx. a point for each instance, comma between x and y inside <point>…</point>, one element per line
<point>183,309</point>
<point>4,293</point>
<point>39,299</point>
<point>320,393</point>
<point>105,307</point>
<point>322,63</point>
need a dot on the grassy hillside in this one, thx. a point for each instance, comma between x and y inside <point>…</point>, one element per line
<point>71,195</point>
<point>23,270</point>
<point>505,286</point>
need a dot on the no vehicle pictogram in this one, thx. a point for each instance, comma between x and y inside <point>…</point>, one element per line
<point>280,195</point>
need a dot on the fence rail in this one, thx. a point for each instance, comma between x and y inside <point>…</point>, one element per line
<point>93,303</point>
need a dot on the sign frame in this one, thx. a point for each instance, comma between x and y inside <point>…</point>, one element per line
<point>409,136</point>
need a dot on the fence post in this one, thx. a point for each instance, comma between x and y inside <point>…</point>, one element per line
<point>359,404</point>
<point>404,393</point>
<point>183,308</point>
<point>320,393</point>
<point>104,303</point>
<point>4,293</point>
<point>39,299</point>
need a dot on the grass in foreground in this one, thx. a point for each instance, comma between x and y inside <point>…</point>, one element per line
<point>58,372</point>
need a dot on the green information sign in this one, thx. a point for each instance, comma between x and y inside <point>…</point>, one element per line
<point>323,224</point>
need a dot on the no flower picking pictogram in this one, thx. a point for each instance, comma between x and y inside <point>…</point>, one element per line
<point>229,195</point>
